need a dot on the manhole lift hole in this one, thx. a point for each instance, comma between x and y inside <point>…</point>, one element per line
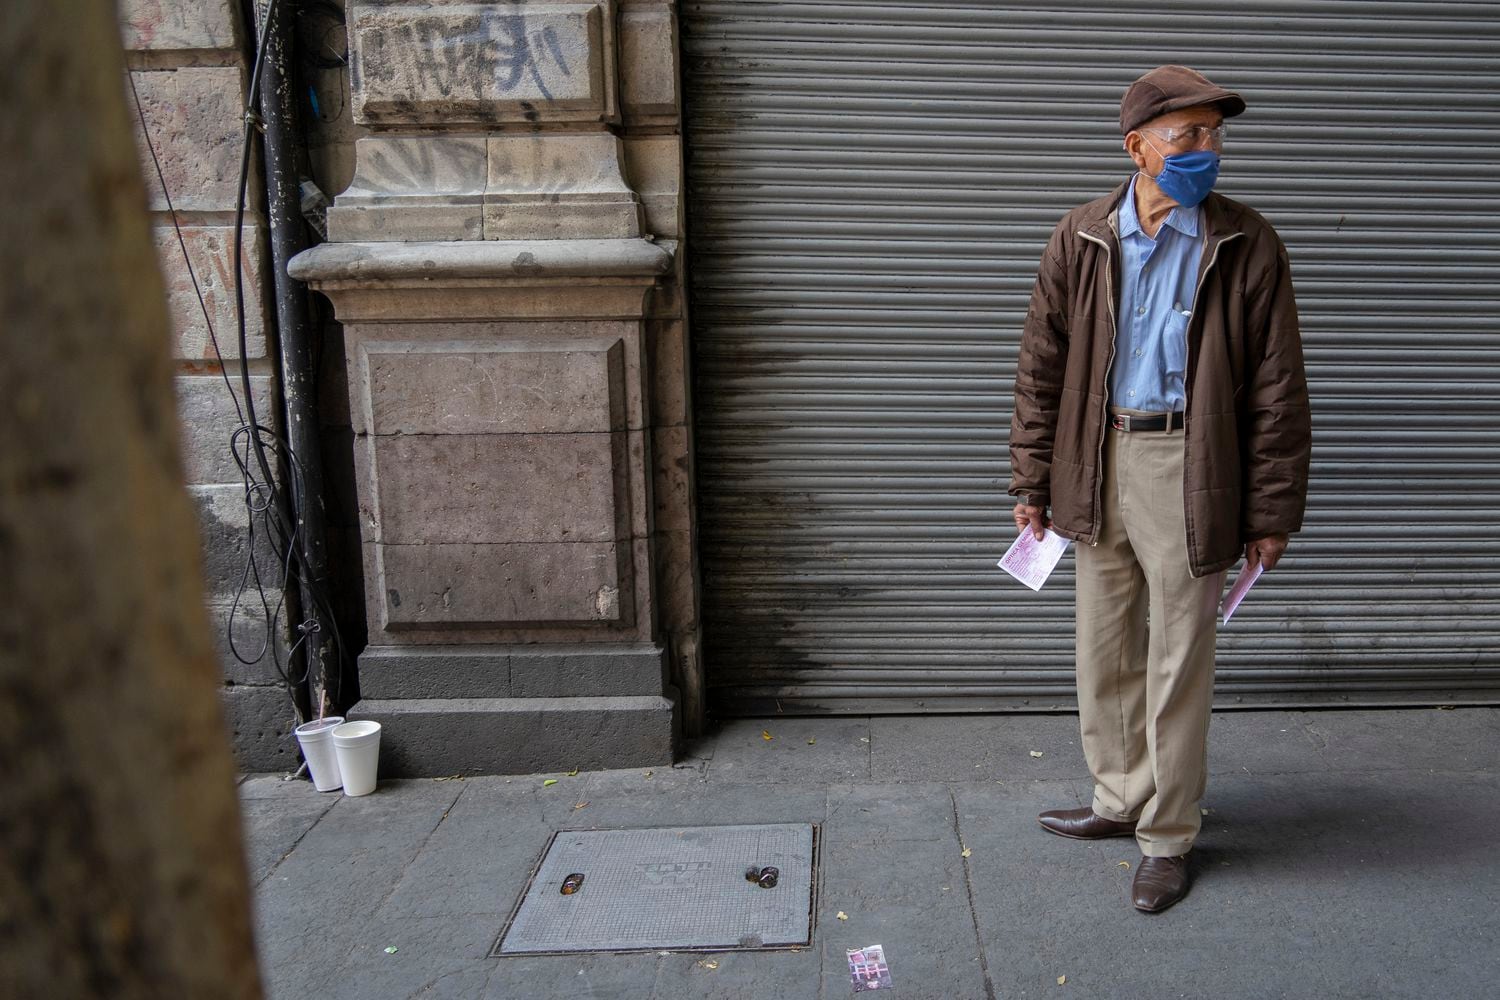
<point>681,888</point>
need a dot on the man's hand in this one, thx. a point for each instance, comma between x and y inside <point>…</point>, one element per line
<point>1266,551</point>
<point>1036,517</point>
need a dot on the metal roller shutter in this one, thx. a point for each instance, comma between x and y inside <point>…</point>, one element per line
<point>870,188</point>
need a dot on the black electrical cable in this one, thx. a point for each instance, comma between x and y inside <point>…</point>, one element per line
<point>282,525</point>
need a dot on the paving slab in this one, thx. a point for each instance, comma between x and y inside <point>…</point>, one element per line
<point>1362,740</point>
<point>595,977</point>
<point>900,884</point>
<point>975,748</point>
<point>834,748</point>
<point>485,846</point>
<point>276,815</point>
<point>785,975</point>
<point>312,910</point>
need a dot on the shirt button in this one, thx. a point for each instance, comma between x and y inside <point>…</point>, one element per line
<point>1137,353</point>
<point>1178,306</point>
<point>1142,311</point>
<point>1130,393</point>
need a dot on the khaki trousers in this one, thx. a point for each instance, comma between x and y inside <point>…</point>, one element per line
<point>1145,648</point>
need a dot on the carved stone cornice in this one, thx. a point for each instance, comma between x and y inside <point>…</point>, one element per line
<point>485,279</point>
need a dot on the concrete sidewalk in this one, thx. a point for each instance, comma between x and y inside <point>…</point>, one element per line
<point>1345,854</point>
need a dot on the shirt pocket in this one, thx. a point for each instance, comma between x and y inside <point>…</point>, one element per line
<point>1174,346</point>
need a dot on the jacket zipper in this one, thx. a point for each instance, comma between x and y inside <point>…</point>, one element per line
<point>1114,332</point>
<point>1187,367</point>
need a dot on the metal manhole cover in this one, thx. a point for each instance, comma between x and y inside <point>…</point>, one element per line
<point>676,887</point>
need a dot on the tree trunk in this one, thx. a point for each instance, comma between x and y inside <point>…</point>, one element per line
<point>121,867</point>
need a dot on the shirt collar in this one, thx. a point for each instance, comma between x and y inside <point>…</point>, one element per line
<point>1184,220</point>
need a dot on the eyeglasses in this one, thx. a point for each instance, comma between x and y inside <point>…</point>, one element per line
<point>1193,135</point>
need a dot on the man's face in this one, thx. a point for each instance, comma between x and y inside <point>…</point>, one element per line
<point>1150,144</point>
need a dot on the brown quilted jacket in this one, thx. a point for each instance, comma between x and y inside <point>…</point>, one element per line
<point>1249,430</point>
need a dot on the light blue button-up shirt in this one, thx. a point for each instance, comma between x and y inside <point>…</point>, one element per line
<point>1158,279</point>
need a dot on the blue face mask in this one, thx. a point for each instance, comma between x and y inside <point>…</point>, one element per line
<point>1187,178</point>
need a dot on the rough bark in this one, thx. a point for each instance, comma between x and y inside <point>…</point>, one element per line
<point>121,864</point>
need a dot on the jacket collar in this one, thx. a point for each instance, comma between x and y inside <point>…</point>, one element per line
<point>1099,218</point>
<point>1184,220</point>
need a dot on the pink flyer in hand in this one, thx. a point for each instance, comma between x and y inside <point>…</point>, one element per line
<point>1032,561</point>
<point>1242,585</point>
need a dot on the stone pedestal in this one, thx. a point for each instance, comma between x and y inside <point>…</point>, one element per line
<point>498,403</point>
<point>493,277</point>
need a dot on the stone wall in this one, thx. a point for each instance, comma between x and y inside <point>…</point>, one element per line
<point>188,63</point>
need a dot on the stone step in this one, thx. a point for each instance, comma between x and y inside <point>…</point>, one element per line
<point>436,737</point>
<point>522,670</point>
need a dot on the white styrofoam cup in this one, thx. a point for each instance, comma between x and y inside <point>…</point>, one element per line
<point>316,740</point>
<point>358,748</point>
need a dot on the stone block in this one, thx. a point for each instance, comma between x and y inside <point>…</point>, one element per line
<point>226,544</point>
<point>210,250</point>
<point>587,671</point>
<point>447,64</point>
<point>439,737</point>
<point>522,488</point>
<point>653,167</point>
<point>428,188</point>
<point>196,127</point>
<point>240,632</point>
<point>169,25</point>
<point>207,416</point>
<point>260,721</point>
<point>521,671</point>
<point>677,576</point>
<point>510,387</point>
<point>556,187</point>
<point>446,671</point>
<point>451,392</point>
<point>667,353</point>
<point>672,463</point>
<point>468,585</point>
<point>648,64</point>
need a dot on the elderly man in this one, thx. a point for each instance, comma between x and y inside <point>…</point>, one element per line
<point>1161,416</point>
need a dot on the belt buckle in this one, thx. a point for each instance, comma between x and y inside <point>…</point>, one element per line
<point>1120,421</point>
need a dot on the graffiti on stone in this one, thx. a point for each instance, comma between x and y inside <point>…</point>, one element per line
<point>464,57</point>
<point>518,53</point>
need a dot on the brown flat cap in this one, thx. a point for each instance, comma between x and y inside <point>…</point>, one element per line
<point>1171,88</point>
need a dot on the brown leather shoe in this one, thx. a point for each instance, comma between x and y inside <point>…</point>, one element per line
<point>1083,824</point>
<point>1159,882</point>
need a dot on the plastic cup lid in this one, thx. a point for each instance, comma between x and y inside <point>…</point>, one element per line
<point>318,725</point>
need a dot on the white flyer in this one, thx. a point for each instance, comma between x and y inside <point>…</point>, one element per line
<point>1242,585</point>
<point>1032,561</point>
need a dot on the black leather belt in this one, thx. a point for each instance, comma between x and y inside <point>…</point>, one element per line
<point>1154,422</point>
